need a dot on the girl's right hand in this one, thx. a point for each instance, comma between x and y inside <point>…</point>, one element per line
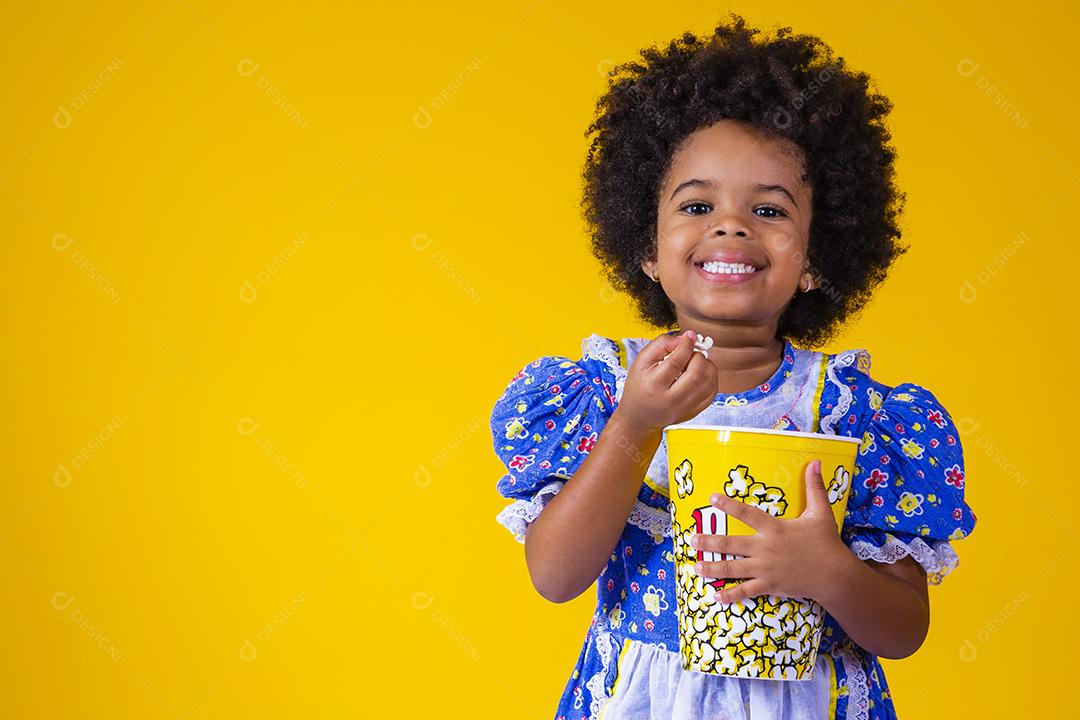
<point>678,389</point>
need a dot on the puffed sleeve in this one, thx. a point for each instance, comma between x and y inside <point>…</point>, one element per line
<point>543,427</point>
<point>907,495</point>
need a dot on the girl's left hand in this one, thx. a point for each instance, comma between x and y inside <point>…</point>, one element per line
<point>795,557</point>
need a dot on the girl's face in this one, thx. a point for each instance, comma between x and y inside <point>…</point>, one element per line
<point>733,193</point>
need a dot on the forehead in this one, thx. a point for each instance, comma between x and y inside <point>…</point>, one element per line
<point>739,153</point>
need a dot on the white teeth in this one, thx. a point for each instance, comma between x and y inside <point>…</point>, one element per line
<point>728,268</point>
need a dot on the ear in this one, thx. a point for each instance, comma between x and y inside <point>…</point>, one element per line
<point>808,280</point>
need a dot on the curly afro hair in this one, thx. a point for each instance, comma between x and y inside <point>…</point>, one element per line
<point>792,88</point>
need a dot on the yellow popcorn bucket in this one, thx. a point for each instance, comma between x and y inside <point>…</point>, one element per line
<point>766,636</point>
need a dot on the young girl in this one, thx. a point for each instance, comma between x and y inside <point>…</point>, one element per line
<point>740,189</point>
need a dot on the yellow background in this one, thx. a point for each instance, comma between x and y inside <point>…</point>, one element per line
<point>266,270</point>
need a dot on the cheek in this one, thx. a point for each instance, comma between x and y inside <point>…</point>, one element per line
<point>675,246</point>
<point>788,254</point>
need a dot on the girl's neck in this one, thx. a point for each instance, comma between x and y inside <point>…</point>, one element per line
<point>743,362</point>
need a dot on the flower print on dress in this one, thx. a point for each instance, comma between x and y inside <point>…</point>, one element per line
<point>955,476</point>
<point>877,479</point>
<point>521,462</point>
<point>654,600</point>
<point>910,504</point>
<point>617,615</point>
<point>907,497</point>
<point>543,427</point>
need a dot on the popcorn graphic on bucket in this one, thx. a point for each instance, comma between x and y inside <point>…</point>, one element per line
<point>765,636</point>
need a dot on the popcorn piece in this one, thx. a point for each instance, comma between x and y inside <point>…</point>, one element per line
<point>702,345</point>
<point>684,480</point>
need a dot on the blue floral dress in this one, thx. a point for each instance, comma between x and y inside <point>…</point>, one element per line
<point>907,498</point>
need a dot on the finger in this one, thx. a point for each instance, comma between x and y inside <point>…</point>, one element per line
<point>695,369</point>
<point>756,518</point>
<point>742,545</point>
<point>742,591</point>
<point>726,569</point>
<point>658,348</point>
<point>817,497</point>
<point>676,362</point>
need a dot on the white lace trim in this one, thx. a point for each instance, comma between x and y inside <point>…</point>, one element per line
<point>844,359</point>
<point>937,559</point>
<point>516,516</point>
<point>605,350</point>
<point>858,704</point>
<point>652,520</point>
<point>595,684</point>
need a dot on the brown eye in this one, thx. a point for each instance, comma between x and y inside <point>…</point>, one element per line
<point>695,204</point>
<point>778,211</point>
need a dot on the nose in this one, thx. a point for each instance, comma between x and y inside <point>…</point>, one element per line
<point>727,221</point>
<point>727,227</point>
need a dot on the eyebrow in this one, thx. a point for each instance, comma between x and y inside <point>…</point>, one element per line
<point>759,187</point>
